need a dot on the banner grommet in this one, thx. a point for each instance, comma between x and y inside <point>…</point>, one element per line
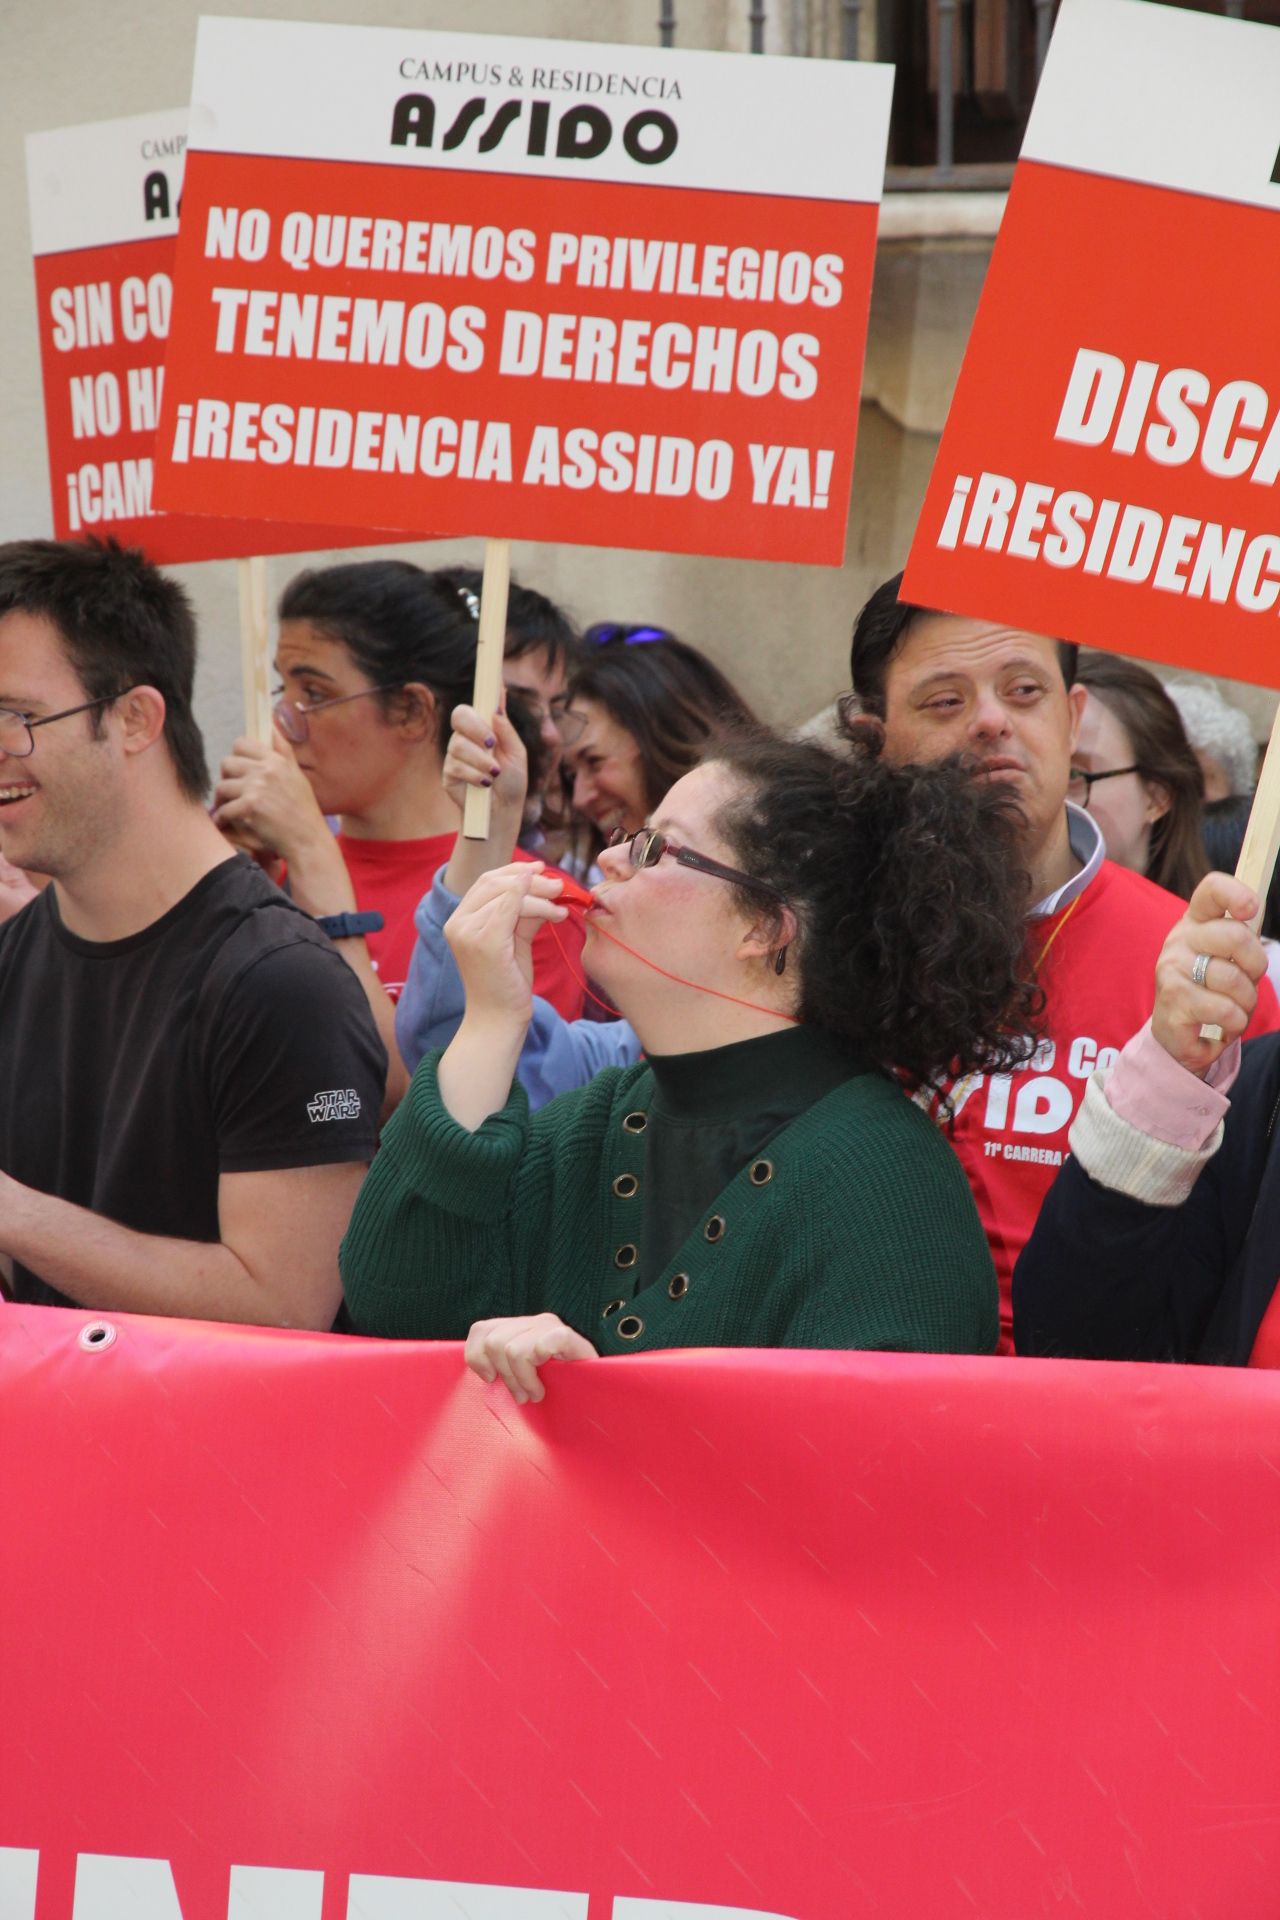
<point>98,1335</point>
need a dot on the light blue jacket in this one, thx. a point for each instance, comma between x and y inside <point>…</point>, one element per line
<point>558,1054</point>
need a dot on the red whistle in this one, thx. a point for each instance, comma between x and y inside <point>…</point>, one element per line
<point>572,895</point>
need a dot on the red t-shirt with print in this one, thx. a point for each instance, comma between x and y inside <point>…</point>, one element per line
<point>391,876</point>
<point>1095,961</point>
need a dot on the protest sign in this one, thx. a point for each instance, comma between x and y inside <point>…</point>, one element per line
<point>1108,471</point>
<point>524,288</point>
<point>305,1628</point>
<point>104,218</point>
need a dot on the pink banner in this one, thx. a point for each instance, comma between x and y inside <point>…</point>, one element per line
<point>300,1628</point>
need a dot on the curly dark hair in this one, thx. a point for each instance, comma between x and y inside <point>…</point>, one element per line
<point>909,894</point>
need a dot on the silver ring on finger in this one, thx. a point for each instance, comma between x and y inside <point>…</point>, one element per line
<point>1200,968</point>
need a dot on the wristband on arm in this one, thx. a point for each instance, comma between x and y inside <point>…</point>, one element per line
<point>349,926</point>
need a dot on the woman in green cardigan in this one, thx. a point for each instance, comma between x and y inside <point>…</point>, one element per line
<point>795,935</point>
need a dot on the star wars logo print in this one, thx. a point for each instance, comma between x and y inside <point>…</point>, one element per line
<point>340,1103</point>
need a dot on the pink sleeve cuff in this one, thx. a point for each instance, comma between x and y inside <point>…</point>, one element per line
<point>1148,1089</point>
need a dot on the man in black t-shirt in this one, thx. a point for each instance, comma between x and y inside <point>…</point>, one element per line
<point>190,1079</point>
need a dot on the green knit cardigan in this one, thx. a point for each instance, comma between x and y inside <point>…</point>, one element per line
<point>856,1228</point>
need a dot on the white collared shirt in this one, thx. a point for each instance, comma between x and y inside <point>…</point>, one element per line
<point>1085,838</point>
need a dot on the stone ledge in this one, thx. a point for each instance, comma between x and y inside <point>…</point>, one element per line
<point>940,216</point>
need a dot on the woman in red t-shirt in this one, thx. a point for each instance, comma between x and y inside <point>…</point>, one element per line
<point>373,655</point>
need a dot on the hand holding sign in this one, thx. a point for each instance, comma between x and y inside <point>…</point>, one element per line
<point>486,753</point>
<point>1207,974</point>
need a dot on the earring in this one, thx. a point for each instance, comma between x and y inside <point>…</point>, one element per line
<point>780,960</point>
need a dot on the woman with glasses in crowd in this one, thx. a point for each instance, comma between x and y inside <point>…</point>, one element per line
<point>373,655</point>
<point>1135,771</point>
<point>775,939</point>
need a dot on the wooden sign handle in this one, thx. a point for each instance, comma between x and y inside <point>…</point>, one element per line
<point>1261,841</point>
<point>255,648</point>
<point>490,648</point>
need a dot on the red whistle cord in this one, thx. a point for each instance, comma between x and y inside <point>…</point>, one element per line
<point>679,979</point>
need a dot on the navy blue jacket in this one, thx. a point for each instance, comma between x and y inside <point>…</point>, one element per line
<point>1104,1277</point>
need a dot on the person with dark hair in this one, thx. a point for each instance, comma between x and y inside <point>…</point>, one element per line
<point>541,651</point>
<point>558,1054</point>
<point>639,711</point>
<point>190,1083</point>
<point>373,656</point>
<point>1222,830</point>
<point>938,684</point>
<point>1134,771</point>
<point>760,1180</point>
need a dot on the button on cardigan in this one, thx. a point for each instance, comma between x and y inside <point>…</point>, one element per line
<point>863,1234</point>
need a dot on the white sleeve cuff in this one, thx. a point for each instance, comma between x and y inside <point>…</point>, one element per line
<point>1120,1156</point>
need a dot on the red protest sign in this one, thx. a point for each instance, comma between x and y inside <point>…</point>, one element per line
<point>321,1629</point>
<point>1108,469</point>
<point>104,219</point>
<point>521,288</point>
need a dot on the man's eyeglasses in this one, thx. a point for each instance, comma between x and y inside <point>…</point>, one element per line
<point>1080,785</point>
<point>17,730</point>
<point>570,725</point>
<point>647,846</point>
<point>292,715</point>
<point>538,709</point>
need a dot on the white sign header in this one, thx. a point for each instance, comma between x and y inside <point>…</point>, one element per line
<point>103,184</point>
<point>564,109</point>
<point>1188,101</point>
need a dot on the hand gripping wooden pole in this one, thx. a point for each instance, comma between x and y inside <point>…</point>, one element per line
<point>255,648</point>
<point>1261,840</point>
<point>490,647</point>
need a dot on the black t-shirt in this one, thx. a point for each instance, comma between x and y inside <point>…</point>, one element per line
<point>227,1037</point>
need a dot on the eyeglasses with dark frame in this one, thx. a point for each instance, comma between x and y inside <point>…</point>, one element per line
<point>1078,779</point>
<point>538,709</point>
<point>15,726</point>
<point>570,725</point>
<point>646,847</point>
<point>293,714</point>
